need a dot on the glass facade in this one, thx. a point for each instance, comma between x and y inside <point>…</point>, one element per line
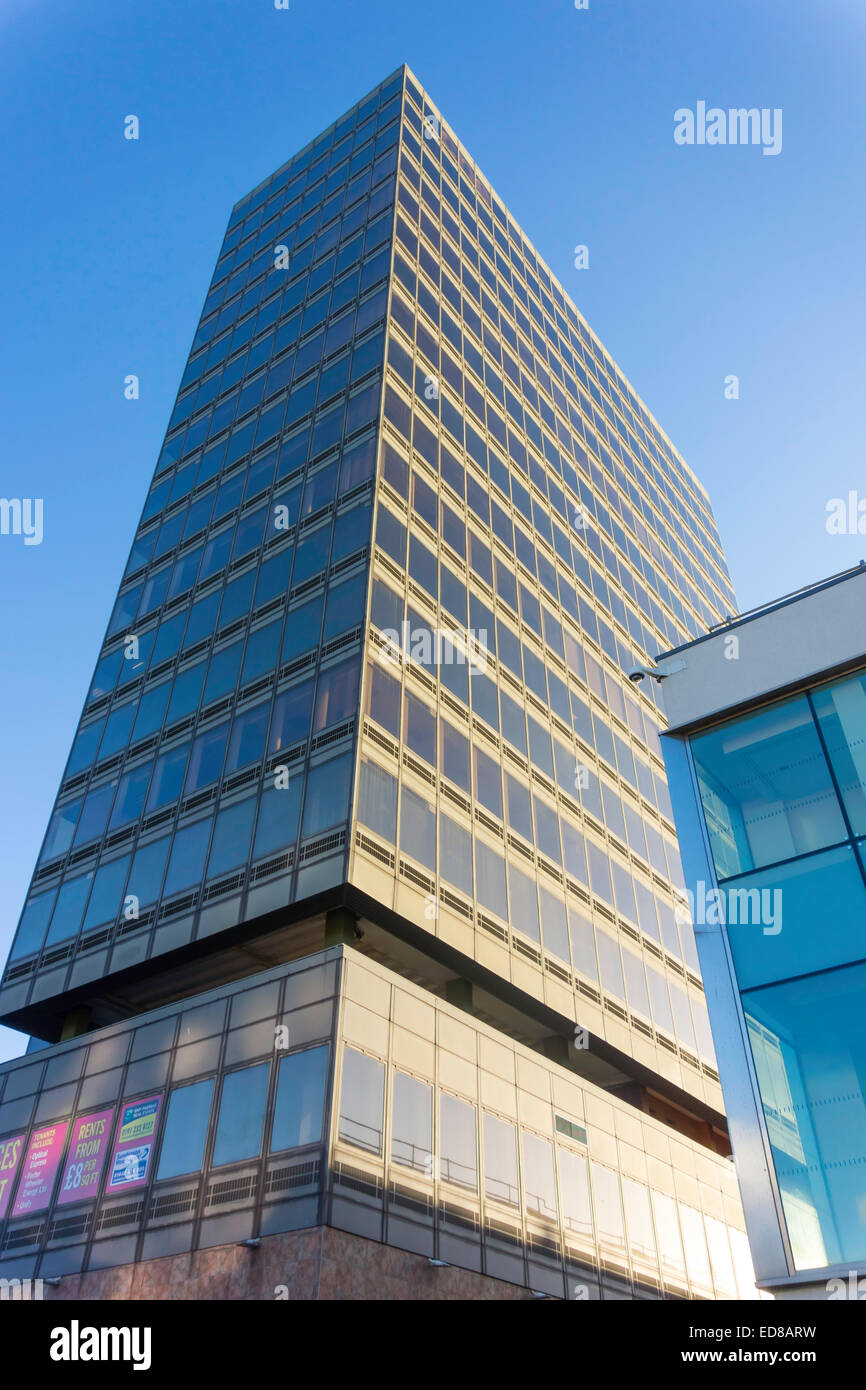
<point>333,1091</point>
<point>783,793</point>
<point>210,776</point>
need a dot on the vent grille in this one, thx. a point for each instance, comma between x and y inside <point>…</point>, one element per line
<point>167,1204</point>
<point>324,845</point>
<point>128,1214</point>
<point>226,1190</point>
<point>376,850</point>
<point>293,1176</point>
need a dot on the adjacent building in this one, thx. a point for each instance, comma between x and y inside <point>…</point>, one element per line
<point>766,756</point>
<point>361,718</point>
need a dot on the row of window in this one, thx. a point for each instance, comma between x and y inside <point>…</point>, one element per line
<point>549,346</point>
<point>240,833</point>
<point>554,1185</point>
<point>588,518</point>
<point>440,151</point>
<point>417,724</point>
<point>430,146</point>
<point>507,887</point>
<point>182,771</point>
<point>503,424</point>
<point>119,1150</point>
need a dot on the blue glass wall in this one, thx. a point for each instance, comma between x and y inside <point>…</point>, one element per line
<point>211,770</point>
<point>784,798</point>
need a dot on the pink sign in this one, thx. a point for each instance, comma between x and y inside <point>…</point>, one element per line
<point>85,1160</point>
<point>136,1133</point>
<point>10,1153</point>
<point>40,1169</point>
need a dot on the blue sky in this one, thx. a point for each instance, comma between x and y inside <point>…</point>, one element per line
<point>703,262</point>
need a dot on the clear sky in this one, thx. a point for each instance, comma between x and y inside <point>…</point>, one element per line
<point>704,262</point>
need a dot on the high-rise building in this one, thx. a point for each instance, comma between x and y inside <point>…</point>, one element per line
<point>767,758</point>
<point>361,722</point>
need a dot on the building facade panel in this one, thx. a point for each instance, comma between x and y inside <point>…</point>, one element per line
<point>295,1099</point>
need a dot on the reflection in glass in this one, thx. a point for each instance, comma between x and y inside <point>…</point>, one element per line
<point>412,1123</point>
<point>300,1100</point>
<point>185,1129</point>
<point>362,1100</point>
<point>241,1114</point>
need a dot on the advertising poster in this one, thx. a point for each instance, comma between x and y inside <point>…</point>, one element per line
<point>10,1153</point>
<point>40,1169</point>
<point>133,1145</point>
<point>91,1136</point>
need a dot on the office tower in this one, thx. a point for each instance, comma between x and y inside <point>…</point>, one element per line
<point>765,753</point>
<point>362,694</point>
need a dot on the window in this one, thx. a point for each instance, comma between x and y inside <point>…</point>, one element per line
<point>458,1163</point>
<point>168,777</point>
<point>327,798</point>
<point>490,880</point>
<point>608,1206</point>
<point>206,760</point>
<point>454,748</point>
<point>185,1129</point>
<point>539,1178</point>
<point>291,721</point>
<point>455,854</point>
<point>766,788</point>
<point>383,699</point>
<point>300,1099</point>
<point>418,828</point>
<point>241,1114</point>
<point>574,1187</point>
<point>279,812</point>
<point>412,1123</point>
<point>105,898</point>
<point>187,856</point>
<point>377,800</point>
<point>231,837</point>
<point>419,728</point>
<point>247,742</point>
<point>148,867</point>
<point>501,1182</point>
<point>362,1101</point>
<point>337,694</point>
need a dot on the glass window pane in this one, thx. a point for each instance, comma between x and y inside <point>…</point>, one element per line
<point>539,1179</point>
<point>377,800</point>
<point>300,1101</point>
<point>412,1123</point>
<point>459,1160</point>
<point>766,789</point>
<point>362,1101</point>
<point>638,1219</point>
<point>841,711</point>
<point>185,1129</point>
<point>694,1242</point>
<point>231,837</point>
<point>187,856</point>
<point>574,1186</point>
<point>501,1182</point>
<point>242,1114</point>
<point>608,1206</point>
<point>776,918</point>
<point>327,799</point>
<point>809,1048</point>
<point>668,1233</point>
